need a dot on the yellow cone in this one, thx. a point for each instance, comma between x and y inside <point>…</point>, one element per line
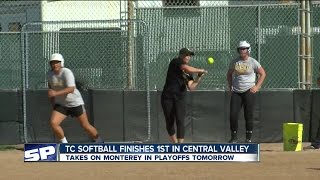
<point>292,136</point>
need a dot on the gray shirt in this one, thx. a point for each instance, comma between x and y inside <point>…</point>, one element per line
<point>65,79</point>
<point>244,74</point>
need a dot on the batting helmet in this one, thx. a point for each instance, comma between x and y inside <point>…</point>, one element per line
<point>244,44</point>
<point>57,57</point>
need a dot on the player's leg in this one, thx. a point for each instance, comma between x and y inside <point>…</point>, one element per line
<point>82,117</point>
<point>170,127</point>
<point>316,143</point>
<point>168,111</point>
<point>58,114</point>
<point>249,103</point>
<point>180,107</point>
<point>235,107</point>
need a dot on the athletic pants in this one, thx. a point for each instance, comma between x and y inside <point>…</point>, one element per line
<point>174,109</point>
<point>239,100</point>
<point>316,141</point>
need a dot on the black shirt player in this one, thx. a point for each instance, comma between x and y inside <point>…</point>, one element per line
<point>179,80</point>
<point>315,144</point>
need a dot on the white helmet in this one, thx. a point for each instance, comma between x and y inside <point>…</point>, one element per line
<point>244,44</point>
<point>57,57</point>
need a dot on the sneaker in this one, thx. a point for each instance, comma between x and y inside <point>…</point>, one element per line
<point>311,147</point>
<point>248,136</point>
<point>234,137</point>
<point>99,140</point>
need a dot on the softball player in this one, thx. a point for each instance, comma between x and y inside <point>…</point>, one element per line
<point>315,144</point>
<point>179,79</point>
<point>66,99</point>
<point>243,86</point>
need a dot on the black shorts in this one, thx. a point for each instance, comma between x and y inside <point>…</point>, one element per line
<point>70,111</point>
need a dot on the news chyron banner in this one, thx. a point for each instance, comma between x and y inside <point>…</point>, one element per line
<point>143,152</point>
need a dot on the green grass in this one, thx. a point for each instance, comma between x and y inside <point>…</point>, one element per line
<point>10,147</point>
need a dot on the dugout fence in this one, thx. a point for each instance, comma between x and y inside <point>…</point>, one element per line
<point>110,54</point>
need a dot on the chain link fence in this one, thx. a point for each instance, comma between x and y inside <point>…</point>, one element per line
<point>216,31</point>
<point>10,61</point>
<point>96,52</point>
<point>277,46</point>
<point>211,28</point>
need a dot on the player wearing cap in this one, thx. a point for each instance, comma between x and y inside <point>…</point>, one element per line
<point>66,99</point>
<point>179,79</point>
<point>315,144</point>
<point>243,85</point>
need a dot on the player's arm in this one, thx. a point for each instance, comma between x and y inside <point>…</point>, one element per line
<point>67,90</point>
<point>229,78</point>
<point>192,84</point>
<point>51,99</point>
<point>189,69</point>
<point>261,76</point>
<point>70,83</point>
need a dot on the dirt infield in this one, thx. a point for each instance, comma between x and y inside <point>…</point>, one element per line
<point>275,164</point>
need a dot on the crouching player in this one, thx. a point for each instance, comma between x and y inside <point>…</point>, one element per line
<point>66,99</point>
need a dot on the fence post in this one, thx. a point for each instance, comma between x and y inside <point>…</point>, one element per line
<point>308,47</point>
<point>130,45</point>
<point>302,49</point>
